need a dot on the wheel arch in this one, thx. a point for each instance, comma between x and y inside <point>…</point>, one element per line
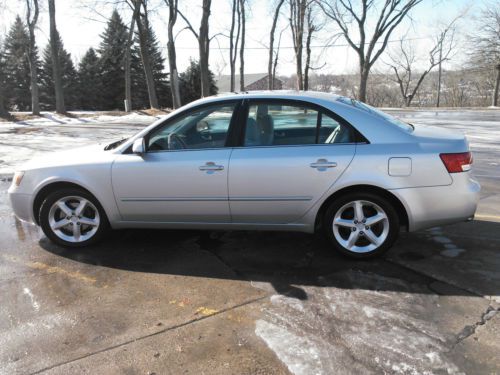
<point>50,188</point>
<point>397,204</point>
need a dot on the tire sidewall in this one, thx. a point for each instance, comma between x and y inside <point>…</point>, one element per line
<point>57,195</point>
<point>383,203</point>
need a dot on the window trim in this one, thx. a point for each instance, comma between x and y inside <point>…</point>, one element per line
<point>357,137</point>
<point>230,132</point>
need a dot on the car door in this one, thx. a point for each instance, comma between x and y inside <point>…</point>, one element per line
<point>291,154</point>
<point>183,175</point>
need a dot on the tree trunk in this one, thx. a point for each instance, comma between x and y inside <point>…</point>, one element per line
<point>233,43</point>
<point>143,28</point>
<point>172,58</point>
<point>35,97</point>
<point>497,86</point>
<point>128,81</point>
<point>438,102</point>
<point>270,70</point>
<point>363,82</point>
<point>56,68</point>
<point>297,16</point>
<point>242,46</point>
<point>310,30</point>
<point>204,47</point>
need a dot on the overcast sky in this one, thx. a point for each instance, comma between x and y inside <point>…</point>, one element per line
<point>80,28</point>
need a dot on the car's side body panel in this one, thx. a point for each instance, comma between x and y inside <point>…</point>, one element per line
<point>170,186</point>
<point>280,184</point>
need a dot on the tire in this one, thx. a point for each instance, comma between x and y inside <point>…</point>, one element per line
<point>64,224</point>
<point>356,238</point>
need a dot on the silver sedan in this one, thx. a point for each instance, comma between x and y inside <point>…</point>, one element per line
<point>262,160</point>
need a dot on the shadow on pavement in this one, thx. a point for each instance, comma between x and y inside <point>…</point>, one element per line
<point>286,260</point>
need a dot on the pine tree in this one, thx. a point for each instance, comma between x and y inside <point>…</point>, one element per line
<point>190,84</point>
<point>140,97</point>
<point>16,66</point>
<point>111,51</point>
<point>89,81</point>
<point>68,75</point>
<point>3,83</point>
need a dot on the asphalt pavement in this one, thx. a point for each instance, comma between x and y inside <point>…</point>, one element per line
<point>194,302</point>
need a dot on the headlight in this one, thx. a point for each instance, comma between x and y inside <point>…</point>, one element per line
<point>18,177</point>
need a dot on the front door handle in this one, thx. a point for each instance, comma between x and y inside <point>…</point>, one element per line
<point>211,166</point>
<point>323,164</point>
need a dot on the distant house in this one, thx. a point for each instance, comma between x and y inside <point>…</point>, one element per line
<point>257,81</point>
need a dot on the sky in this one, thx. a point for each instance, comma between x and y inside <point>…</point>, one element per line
<point>80,24</point>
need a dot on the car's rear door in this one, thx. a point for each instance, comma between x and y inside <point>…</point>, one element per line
<point>183,175</point>
<point>290,154</point>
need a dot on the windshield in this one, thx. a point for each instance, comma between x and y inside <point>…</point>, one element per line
<point>365,107</point>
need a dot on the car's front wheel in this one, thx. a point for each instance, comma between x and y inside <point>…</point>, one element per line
<point>72,218</point>
<point>361,225</point>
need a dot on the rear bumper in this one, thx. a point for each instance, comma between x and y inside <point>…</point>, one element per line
<point>439,205</point>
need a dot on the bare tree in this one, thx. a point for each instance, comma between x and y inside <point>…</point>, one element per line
<point>203,45</point>
<point>172,57</point>
<point>388,15</point>
<point>143,30</point>
<point>485,45</point>
<point>56,66</point>
<point>297,21</point>
<point>242,46</point>
<point>32,11</point>
<point>403,64</point>
<point>270,70</point>
<point>312,27</point>
<point>234,40</point>
<point>128,81</point>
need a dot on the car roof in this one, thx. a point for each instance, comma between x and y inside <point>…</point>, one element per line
<point>281,94</point>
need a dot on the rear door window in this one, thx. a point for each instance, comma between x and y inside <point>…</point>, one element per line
<point>275,124</point>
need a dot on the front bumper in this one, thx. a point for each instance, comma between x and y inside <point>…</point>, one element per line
<point>439,205</point>
<point>21,205</point>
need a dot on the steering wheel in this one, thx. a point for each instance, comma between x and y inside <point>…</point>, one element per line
<point>175,142</point>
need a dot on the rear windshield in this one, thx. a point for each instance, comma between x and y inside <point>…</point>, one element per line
<point>365,107</point>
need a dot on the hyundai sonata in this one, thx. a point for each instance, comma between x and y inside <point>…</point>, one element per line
<point>261,160</point>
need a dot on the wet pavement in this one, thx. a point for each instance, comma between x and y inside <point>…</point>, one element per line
<point>172,302</point>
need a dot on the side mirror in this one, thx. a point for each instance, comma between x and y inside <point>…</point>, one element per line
<point>139,146</point>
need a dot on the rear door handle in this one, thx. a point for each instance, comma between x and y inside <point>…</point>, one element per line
<point>211,166</point>
<point>322,164</point>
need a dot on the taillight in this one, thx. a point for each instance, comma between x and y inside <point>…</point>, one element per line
<point>456,163</point>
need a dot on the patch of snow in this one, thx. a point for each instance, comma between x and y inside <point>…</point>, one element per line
<point>296,352</point>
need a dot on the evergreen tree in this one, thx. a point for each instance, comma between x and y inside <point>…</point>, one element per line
<point>3,83</point>
<point>112,51</point>
<point>16,67</point>
<point>140,98</point>
<point>190,85</point>
<point>89,81</point>
<point>68,76</point>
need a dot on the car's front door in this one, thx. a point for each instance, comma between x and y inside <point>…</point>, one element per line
<point>291,154</point>
<point>183,175</point>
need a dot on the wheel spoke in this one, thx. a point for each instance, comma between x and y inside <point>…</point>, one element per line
<point>81,207</point>
<point>372,237</point>
<point>372,220</point>
<point>353,238</point>
<point>60,224</point>
<point>88,221</point>
<point>64,208</point>
<point>344,223</point>
<point>358,211</point>
<point>76,232</point>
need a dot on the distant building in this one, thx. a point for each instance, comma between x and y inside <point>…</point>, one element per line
<point>257,81</point>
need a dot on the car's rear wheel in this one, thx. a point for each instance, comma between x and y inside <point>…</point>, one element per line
<point>361,225</point>
<point>72,218</point>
